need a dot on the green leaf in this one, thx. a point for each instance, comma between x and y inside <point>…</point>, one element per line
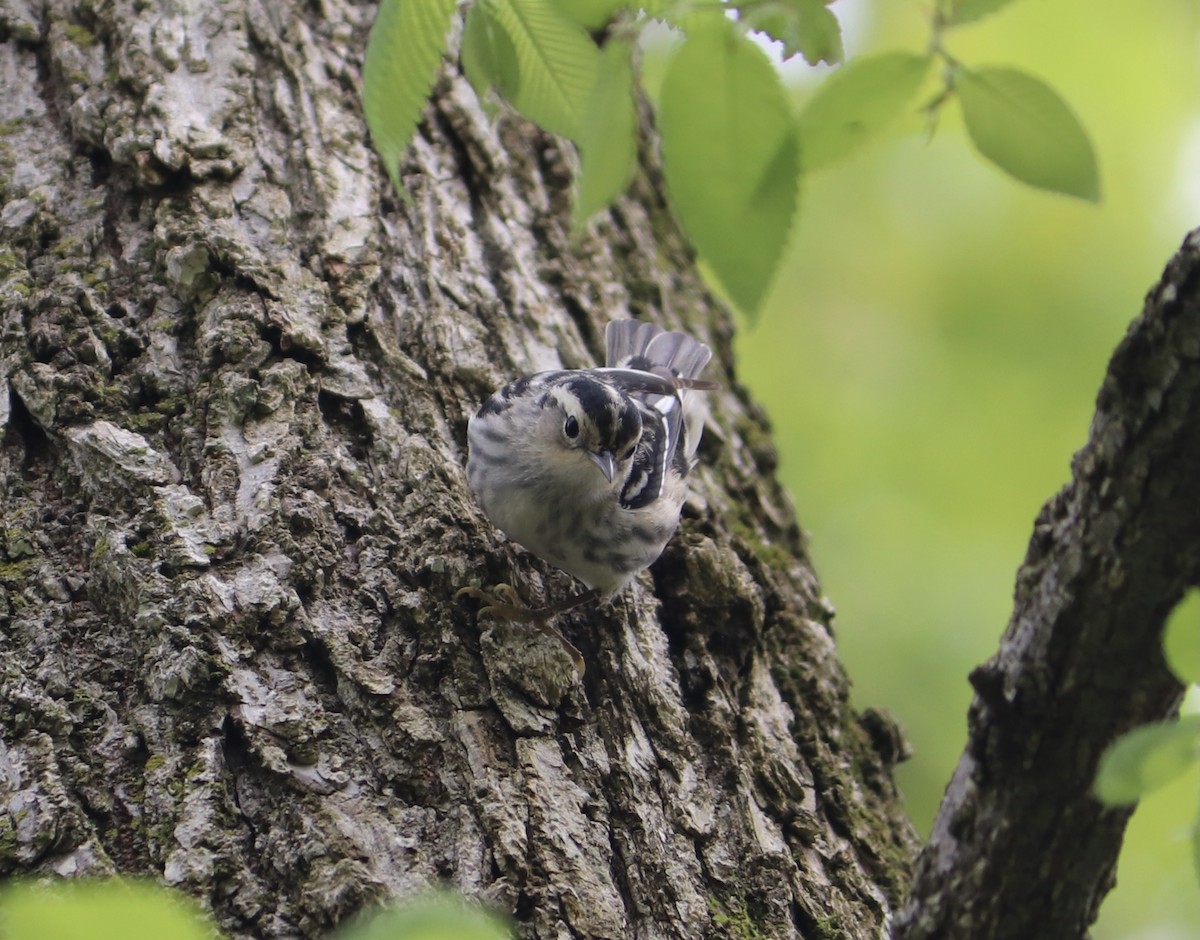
<point>1147,758</point>
<point>436,916</point>
<point>557,62</point>
<point>608,135</point>
<point>802,26</point>
<point>489,59</point>
<point>592,14</point>
<point>729,156</point>
<point>1021,125</point>
<point>1181,639</point>
<point>102,909</point>
<point>407,41</point>
<point>818,33</point>
<point>958,12</point>
<point>856,102</point>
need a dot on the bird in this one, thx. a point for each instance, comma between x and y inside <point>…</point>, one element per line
<point>588,468</point>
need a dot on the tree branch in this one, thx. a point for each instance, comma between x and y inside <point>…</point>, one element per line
<point>1020,847</point>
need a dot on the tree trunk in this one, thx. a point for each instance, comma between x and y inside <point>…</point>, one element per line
<point>236,372</point>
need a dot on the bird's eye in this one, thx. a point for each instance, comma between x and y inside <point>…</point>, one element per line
<point>571,427</point>
<point>629,453</point>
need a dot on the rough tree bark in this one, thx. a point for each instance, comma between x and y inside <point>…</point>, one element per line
<point>235,375</point>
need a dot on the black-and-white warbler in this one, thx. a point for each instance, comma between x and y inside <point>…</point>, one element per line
<point>587,468</point>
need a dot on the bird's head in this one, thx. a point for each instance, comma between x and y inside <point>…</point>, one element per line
<point>592,421</point>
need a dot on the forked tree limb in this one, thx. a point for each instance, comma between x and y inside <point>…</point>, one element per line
<point>1020,848</point>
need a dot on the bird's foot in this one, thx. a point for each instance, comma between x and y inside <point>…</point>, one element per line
<point>503,603</point>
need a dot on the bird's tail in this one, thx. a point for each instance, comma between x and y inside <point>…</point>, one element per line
<point>634,344</point>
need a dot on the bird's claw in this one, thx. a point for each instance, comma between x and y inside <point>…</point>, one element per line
<point>503,603</point>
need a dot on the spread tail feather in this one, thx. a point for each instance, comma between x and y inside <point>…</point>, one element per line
<point>633,344</point>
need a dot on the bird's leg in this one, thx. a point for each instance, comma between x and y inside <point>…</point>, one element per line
<point>502,602</point>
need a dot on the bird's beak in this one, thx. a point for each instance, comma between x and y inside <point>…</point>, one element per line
<point>606,462</point>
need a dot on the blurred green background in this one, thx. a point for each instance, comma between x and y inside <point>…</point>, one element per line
<point>930,359</point>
